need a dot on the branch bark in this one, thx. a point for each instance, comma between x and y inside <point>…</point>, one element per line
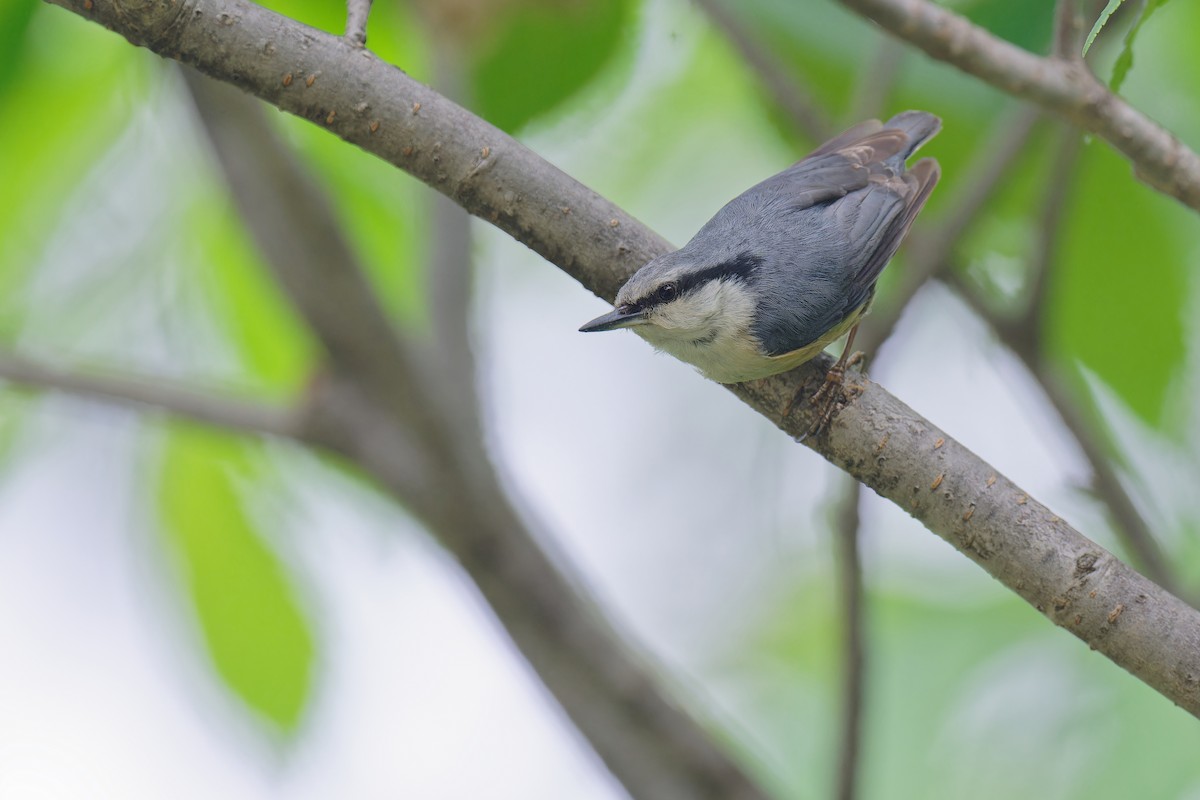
<point>1062,86</point>
<point>876,438</point>
<point>145,393</point>
<point>848,538</point>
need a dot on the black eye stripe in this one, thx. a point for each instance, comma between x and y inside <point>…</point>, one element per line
<point>742,268</point>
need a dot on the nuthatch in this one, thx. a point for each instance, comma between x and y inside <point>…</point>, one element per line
<point>790,265</point>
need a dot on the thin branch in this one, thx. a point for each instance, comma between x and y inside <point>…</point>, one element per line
<point>357,12</point>
<point>876,438</point>
<point>847,535</point>
<point>425,447</point>
<point>788,93</point>
<point>1063,87</point>
<point>1128,522</point>
<point>155,394</point>
<point>877,80</point>
<point>450,275</point>
<point>1031,323</point>
<point>929,251</point>
<point>1068,30</point>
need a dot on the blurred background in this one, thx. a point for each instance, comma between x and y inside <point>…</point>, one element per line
<point>187,613</point>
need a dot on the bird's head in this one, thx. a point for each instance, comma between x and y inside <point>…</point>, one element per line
<point>678,298</point>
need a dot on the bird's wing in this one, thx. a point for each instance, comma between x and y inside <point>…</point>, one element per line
<point>882,221</point>
<point>829,223</point>
<point>831,254</point>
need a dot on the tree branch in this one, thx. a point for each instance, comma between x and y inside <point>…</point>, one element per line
<point>155,394</point>
<point>789,94</point>
<point>876,81</point>
<point>847,534</point>
<point>434,462</point>
<point>1065,87</point>
<point>1023,335</point>
<point>357,12</point>
<point>876,438</point>
<point>1068,30</point>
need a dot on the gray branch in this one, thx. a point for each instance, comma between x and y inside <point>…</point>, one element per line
<point>357,12</point>
<point>876,438</point>
<point>789,94</point>
<point>426,448</point>
<point>146,393</point>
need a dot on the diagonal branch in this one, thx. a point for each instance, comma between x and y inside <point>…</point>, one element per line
<point>1063,87</point>
<point>654,747</point>
<point>1023,335</point>
<point>876,438</point>
<point>157,394</point>
<point>788,93</point>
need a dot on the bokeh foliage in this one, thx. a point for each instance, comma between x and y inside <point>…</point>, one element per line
<point>1120,316</point>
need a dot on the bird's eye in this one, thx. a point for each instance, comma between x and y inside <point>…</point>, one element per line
<point>666,293</point>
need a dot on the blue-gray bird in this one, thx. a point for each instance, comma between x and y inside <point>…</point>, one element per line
<point>790,265</point>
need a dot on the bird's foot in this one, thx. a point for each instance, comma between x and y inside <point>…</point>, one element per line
<point>833,395</point>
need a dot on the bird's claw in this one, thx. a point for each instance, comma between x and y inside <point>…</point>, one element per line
<point>831,396</point>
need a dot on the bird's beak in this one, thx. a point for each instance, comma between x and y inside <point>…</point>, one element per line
<point>620,317</point>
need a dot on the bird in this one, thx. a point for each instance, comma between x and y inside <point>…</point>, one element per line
<point>790,265</point>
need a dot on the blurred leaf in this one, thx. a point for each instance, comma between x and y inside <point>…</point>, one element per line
<point>15,18</point>
<point>1117,292</point>
<point>1112,6</point>
<point>1026,23</point>
<point>966,693</point>
<point>544,54</point>
<point>251,620</point>
<point>256,317</point>
<point>71,102</point>
<point>1125,60</point>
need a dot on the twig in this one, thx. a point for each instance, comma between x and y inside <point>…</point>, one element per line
<point>450,274</point>
<point>420,446</point>
<point>847,535</point>
<point>1064,87</point>
<point>876,438</point>
<point>1068,30</point>
<point>1129,523</point>
<point>877,80</point>
<point>929,250</point>
<point>788,93</point>
<point>1027,336</point>
<point>357,12</point>
<point>156,394</point>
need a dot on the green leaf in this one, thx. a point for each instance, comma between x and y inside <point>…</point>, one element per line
<point>1025,23</point>
<point>246,605</point>
<point>1124,61</point>
<point>543,55</point>
<point>15,19</point>
<point>1117,293</point>
<point>1112,6</point>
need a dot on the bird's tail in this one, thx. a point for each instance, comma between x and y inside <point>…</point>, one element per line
<point>918,126</point>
